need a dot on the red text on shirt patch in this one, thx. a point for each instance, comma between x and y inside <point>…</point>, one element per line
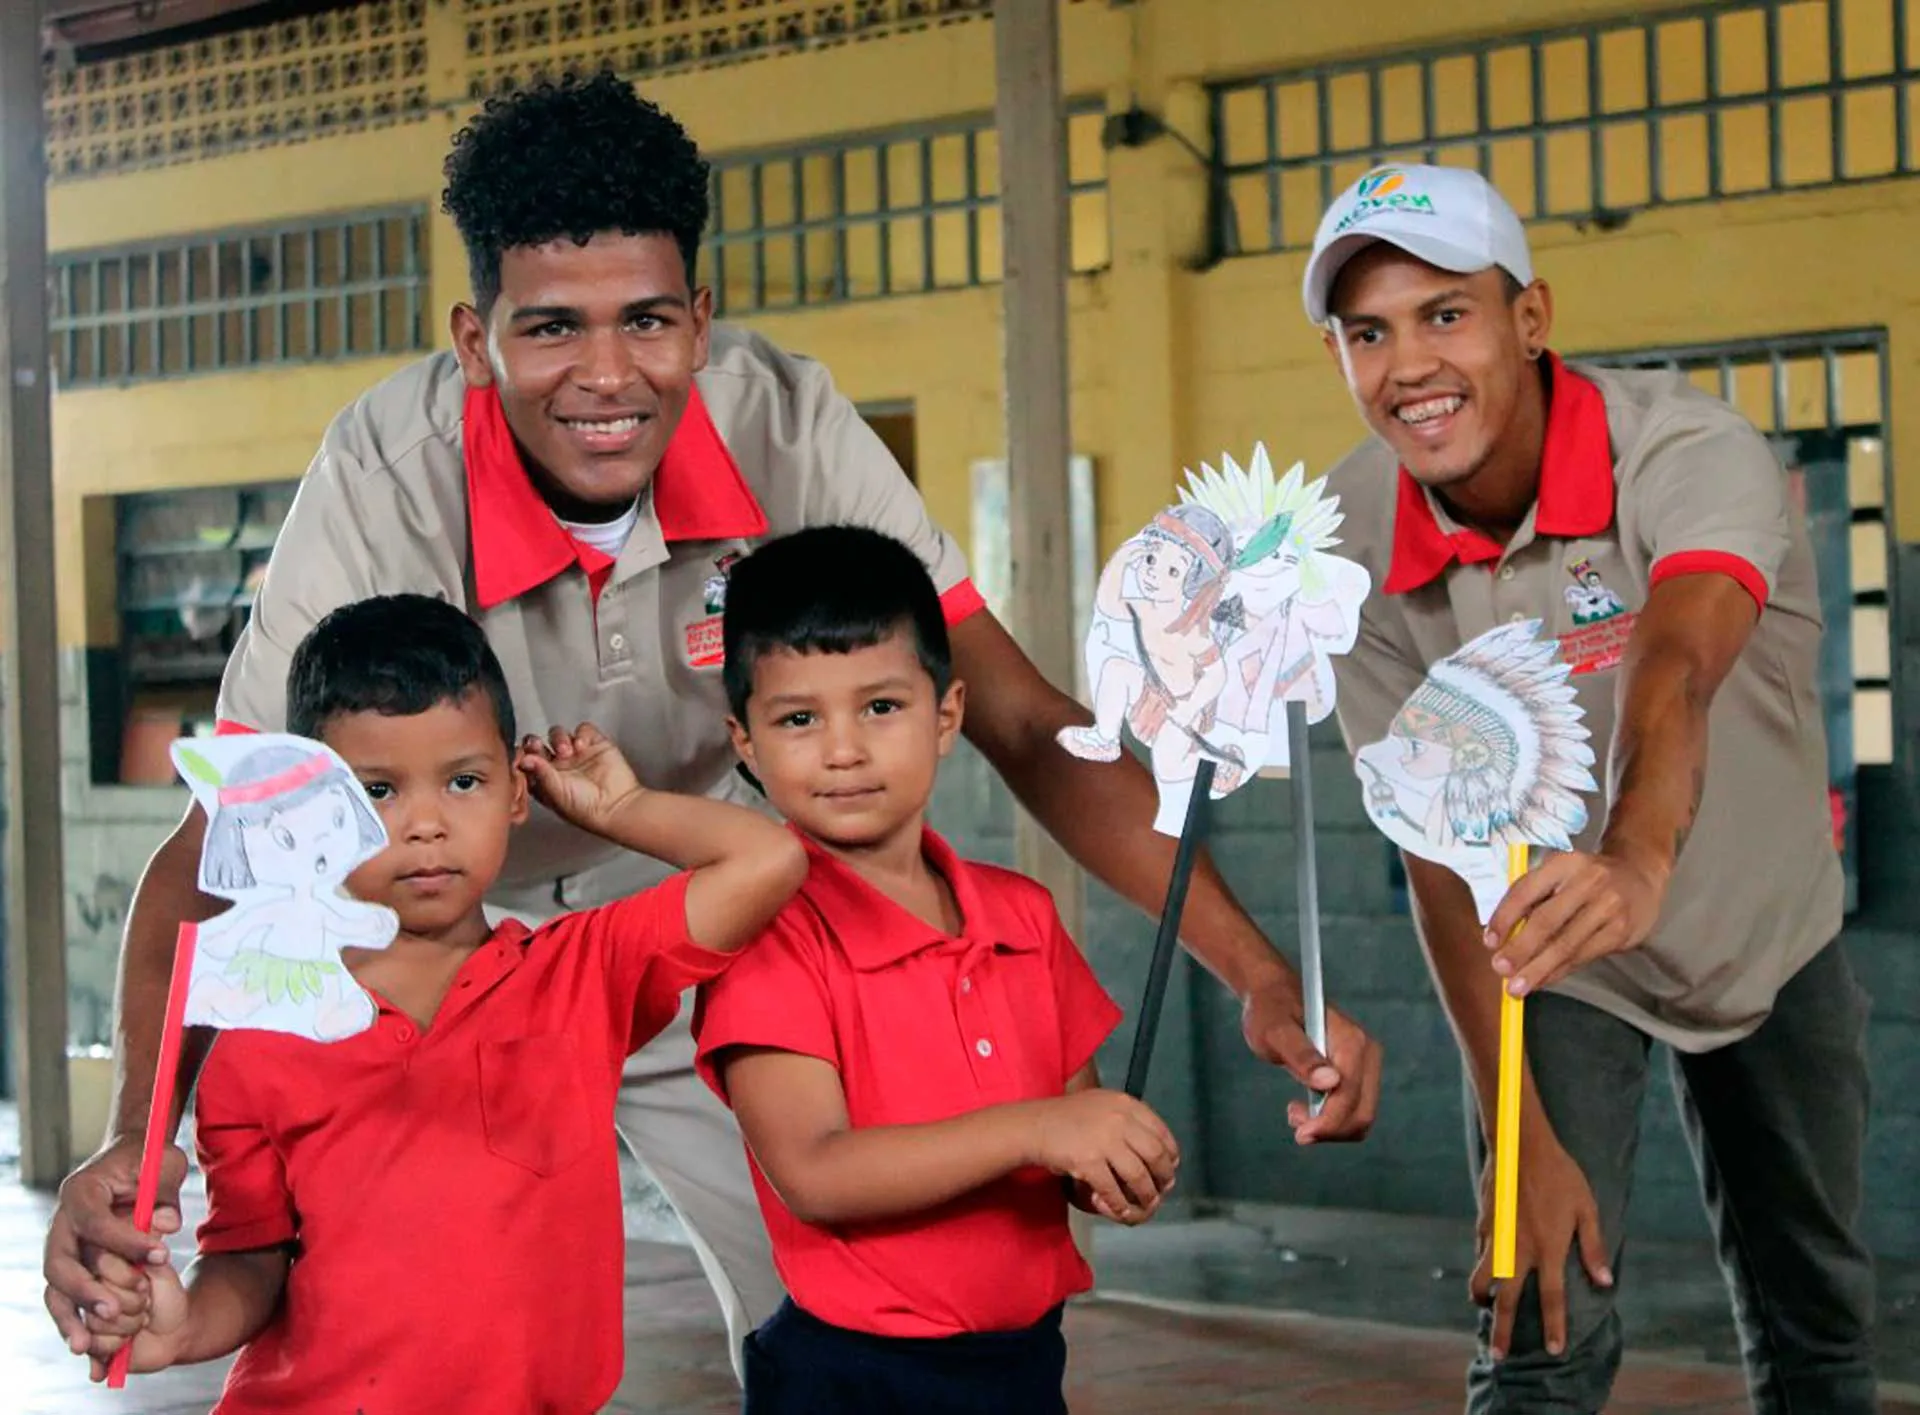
<point>705,647</point>
<point>1594,648</point>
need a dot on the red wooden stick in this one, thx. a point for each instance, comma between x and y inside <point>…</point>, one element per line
<point>160,1112</point>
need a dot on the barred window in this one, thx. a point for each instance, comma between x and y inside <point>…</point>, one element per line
<point>1735,99</point>
<point>894,213</point>
<point>348,287</point>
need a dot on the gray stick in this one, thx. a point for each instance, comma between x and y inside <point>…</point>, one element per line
<point>1300,772</point>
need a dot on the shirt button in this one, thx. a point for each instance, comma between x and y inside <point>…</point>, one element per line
<point>403,1033</point>
<point>966,985</point>
<point>1506,572</point>
<point>617,642</point>
<point>1516,618</point>
<point>984,1047</point>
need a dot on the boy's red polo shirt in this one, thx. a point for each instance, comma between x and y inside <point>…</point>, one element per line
<point>922,1027</point>
<point>454,1192</point>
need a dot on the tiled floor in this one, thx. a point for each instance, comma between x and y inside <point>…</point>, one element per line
<point>1185,1353</point>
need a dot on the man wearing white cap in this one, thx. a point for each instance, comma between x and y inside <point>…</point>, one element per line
<point>1701,905</point>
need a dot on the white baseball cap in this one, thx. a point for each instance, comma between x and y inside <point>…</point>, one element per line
<point>1450,217</point>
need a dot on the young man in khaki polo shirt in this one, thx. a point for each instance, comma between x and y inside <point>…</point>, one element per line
<point>579,474</point>
<point>1649,526</point>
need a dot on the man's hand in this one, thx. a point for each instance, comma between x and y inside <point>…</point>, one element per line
<point>1576,908</point>
<point>1273,1020</point>
<point>92,1219</point>
<point>580,776</point>
<point>1556,1209</point>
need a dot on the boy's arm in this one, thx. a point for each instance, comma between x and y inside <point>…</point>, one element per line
<point>230,1297</point>
<point>226,1300</point>
<point>793,1113</point>
<point>744,865</point>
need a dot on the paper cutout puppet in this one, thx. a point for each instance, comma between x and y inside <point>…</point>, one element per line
<point>1489,751</point>
<point>1225,606</point>
<point>287,823</point>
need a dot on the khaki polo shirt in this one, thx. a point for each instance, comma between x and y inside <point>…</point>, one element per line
<point>1644,477</point>
<point>403,497</point>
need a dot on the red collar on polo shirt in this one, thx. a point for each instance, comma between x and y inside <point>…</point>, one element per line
<point>698,494</point>
<point>875,933</point>
<point>1575,498</point>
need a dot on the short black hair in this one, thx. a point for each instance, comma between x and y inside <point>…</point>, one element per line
<point>829,589</point>
<point>400,655</point>
<point>574,158</point>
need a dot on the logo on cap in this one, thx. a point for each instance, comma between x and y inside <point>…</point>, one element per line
<point>1383,182</point>
<point>1380,191</point>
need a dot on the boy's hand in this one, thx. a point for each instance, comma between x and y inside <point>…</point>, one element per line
<point>1111,1143</point>
<point>1080,1194</point>
<point>580,776</point>
<point>153,1313</point>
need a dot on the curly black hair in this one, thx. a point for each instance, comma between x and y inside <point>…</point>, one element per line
<point>574,158</point>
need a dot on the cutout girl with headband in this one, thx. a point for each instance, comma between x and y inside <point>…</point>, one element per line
<point>287,823</point>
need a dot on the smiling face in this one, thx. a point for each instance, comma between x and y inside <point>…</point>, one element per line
<point>1437,362</point>
<point>1271,582</point>
<point>310,845</point>
<point>593,349</point>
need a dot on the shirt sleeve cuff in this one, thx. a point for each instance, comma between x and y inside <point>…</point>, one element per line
<point>961,602</point>
<point>227,727</point>
<point>675,949</point>
<point>244,1237</point>
<point>1712,562</point>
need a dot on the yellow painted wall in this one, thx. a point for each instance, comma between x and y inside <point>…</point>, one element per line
<point>1169,366</point>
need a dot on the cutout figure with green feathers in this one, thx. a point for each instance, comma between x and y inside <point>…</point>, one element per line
<point>1207,622</point>
<point>287,822</point>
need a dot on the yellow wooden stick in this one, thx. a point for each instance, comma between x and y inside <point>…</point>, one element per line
<point>1506,1136</point>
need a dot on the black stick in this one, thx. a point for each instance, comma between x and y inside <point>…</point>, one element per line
<point>1163,945</point>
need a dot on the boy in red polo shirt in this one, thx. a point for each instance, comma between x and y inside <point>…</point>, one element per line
<point>453,1155</point>
<point>909,1049</point>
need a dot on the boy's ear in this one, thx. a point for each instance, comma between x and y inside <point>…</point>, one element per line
<point>951,713</point>
<point>520,807</point>
<point>742,743</point>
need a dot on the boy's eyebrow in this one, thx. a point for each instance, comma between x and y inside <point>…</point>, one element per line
<point>461,763</point>
<point>893,681</point>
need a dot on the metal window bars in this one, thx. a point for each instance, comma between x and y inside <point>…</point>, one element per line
<point>1822,397</point>
<point>348,287</point>
<point>1586,122</point>
<point>905,211</point>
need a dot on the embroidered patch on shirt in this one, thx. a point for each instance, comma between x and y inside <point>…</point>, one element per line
<point>713,590</point>
<point>705,646</point>
<point>1601,622</point>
